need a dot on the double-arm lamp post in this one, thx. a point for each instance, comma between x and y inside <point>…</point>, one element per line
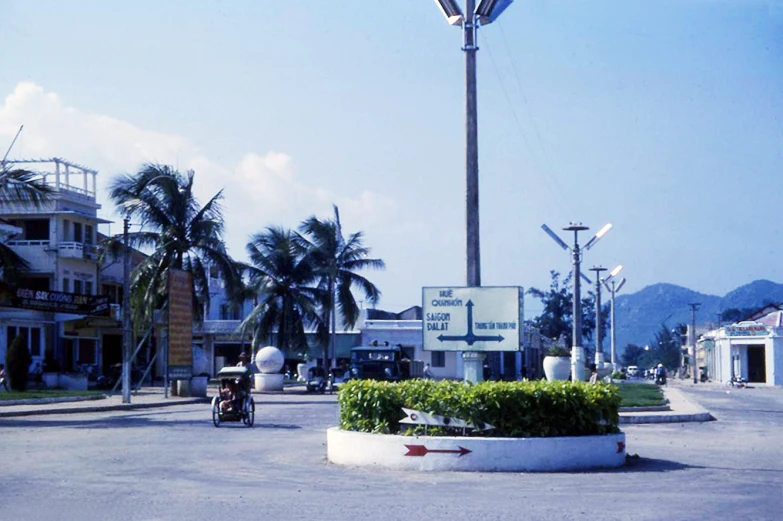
<point>613,286</point>
<point>577,351</point>
<point>599,344</point>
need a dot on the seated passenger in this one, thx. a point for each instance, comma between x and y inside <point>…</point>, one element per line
<point>228,395</point>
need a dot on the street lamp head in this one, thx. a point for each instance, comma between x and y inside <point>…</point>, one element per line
<point>451,11</point>
<point>620,285</point>
<point>615,271</point>
<point>598,235</point>
<point>554,237</point>
<point>489,10</point>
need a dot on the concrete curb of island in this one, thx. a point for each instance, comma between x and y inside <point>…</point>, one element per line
<point>469,454</point>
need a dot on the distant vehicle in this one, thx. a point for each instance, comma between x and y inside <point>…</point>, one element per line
<point>383,362</point>
<point>632,371</point>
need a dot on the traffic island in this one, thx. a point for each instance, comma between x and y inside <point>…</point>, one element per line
<point>486,427</point>
<point>474,454</point>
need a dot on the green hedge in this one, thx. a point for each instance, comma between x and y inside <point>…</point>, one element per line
<point>515,409</point>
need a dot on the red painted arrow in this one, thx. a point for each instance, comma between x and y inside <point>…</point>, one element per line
<point>421,450</point>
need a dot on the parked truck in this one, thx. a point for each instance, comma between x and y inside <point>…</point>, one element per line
<point>384,362</point>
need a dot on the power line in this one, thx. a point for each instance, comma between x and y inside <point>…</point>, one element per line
<point>558,200</point>
<point>529,110</point>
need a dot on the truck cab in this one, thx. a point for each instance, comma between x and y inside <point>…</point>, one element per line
<point>376,363</point>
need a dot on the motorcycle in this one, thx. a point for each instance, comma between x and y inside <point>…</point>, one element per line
<point>737,381</point>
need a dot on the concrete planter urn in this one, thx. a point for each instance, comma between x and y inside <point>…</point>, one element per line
<point>557,367</point>
<point>198,386</point>
<point>51,380</point>
<point>73,381</point>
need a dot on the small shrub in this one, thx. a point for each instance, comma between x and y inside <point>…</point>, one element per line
<point>558,351</point>
<point>618,375</point>
<point>17,363</point>
<point>514,409</point>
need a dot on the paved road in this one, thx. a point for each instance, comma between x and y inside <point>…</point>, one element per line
<point>172,464</point>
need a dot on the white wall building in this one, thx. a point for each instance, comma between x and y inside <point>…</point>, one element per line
<point>752,350</point>
<point>58,239</point>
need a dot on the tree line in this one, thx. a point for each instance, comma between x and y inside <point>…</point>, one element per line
<point>299,280</point>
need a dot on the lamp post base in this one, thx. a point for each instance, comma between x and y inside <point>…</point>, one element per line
<point>577,364</point>
<point>473,366</point>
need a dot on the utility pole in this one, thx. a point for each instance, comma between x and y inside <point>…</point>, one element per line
<point>126,322</point>
<point>599,346</point>
<point>614,288</point>
<point>694,307</point>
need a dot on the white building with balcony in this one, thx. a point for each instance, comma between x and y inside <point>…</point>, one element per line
<point>58,239</point>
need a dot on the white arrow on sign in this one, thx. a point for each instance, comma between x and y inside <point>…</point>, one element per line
<point>433,420</point>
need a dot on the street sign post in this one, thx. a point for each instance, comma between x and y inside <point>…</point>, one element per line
<point>472,318</point>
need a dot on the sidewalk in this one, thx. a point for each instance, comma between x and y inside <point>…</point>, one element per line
<point>146,398</point>
<point>681,409</point>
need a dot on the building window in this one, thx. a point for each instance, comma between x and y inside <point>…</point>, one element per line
<point>77,286</point>
<point>67,285</point>
<point>36,230</point>
<point>438,358</point>
<point>36,283</point>
<point>77,232</point>
<point>33,338</point>
<point>88,234</point>
<point>229,312</point>
<point>66,230</point>
<point>88,287</point>
<point>85,351</point>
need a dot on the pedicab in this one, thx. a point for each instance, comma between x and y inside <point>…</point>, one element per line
<point>234,402</point>
<point>316,380</point>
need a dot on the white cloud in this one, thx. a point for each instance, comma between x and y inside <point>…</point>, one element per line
<point>262,189</point>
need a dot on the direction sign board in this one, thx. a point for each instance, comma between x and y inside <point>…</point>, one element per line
<point>472,319</point>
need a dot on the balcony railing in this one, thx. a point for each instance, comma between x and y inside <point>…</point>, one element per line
<point>16,242</point>
<point>77,250</point>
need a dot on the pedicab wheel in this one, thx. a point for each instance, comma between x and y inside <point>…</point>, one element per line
<point>215,412</point>
<point>250,411</point>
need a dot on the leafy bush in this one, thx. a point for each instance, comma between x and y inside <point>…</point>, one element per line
<point>17,363</point>
<point>556,350</point>
<point>515,409</point>
<point>618,375</point>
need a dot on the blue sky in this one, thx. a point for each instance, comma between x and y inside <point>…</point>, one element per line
<point>663,118</point>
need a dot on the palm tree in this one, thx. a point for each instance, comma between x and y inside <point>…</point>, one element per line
<point>282,278</point>
<point>337,260</point>
<point>18,186</point>
<point>181,235</point>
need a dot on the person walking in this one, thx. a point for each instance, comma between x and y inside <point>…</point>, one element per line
<point>3,381</point>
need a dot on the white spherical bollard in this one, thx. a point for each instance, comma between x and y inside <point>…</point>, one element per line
<point>200,363</point>
<point>269,360</point>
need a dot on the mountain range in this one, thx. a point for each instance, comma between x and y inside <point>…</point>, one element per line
<point>639,315</point>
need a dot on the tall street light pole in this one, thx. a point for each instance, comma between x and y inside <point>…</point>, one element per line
<point>599,344</point>
<point>694,307</point>
<point>126,327</point>
<point>473,246</point>
<point>484,13</point>
<point>577,351</point>
<point>611,285</point>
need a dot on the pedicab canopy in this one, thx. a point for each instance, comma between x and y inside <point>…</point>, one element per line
<point>234,372</point>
